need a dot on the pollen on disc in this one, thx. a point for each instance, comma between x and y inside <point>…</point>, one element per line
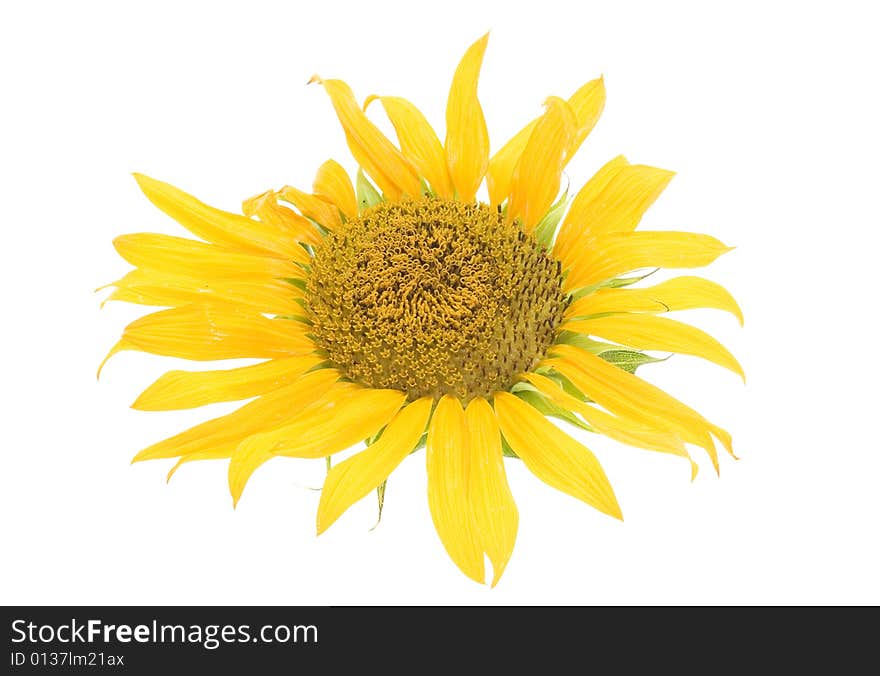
<point>434,297</point>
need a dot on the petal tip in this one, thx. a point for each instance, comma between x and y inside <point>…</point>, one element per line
<point>369,100</point>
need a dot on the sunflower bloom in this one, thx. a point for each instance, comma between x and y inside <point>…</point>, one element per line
<point>405,310</point>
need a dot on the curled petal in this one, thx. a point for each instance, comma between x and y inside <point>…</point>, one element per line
<point>214,225</point>
<point>265,207</point>
<point>312,206</point>
<point>392,172</point>
<point>587,103</point>
<point>333,184</point>
<point>537,175</point>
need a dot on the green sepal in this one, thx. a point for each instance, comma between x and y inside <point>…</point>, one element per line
<point>583,342</point>
<point>506,450</point>
<point>614,283</point>
<point>567,386</point>
<point>295,281</point>
<point>546,228</point>
<point>628,360</point>
<point>546,407</point>
<point>423,441</point>
<point>426,188</point>
<point>367,195</point>
<point>380,489</point>
<point>380,498</point>
<point>295,318</point>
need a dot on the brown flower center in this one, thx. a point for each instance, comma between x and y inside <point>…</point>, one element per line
<point>434,297</point>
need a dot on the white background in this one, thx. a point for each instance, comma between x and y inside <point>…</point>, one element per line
<point>767,110</point>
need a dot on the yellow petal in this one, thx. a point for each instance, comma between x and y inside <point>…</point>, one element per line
<point>625,431</point>
<point>391,171</point>
<point>204,332</point>
<point>243,464</point>
<point>616,300</point>
<point>312,206</point>
<point>494,511</point>
<point>575,221</point>
<point>622,203</point>
<point>194,457</point>
<point>467,138</point>
<point>342,418</point>
<point>338,421</point>
<point>448,482</point>
<point>679,293</point>
<point>214,225</point>
<point>553,456</point>
<point>221,435</point>
<point>190,258</point>
<point>419,143</point>
<point>629,396</point>
<point>334,185</point>
<point>354,478</point>
<point>499,174</point>
<point>646,332</point>
<point>535,183</point>
<point>189,389</point>
<point>265,207</point>
<point>612,255</point>
<point>587,104</point>
<point>154,287</point>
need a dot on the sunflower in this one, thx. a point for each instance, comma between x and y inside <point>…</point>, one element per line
<point>404,311</point>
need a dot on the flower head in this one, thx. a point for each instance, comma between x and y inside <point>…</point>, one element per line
<point>404,310</point>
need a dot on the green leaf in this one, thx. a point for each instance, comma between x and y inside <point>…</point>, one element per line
<point>546,228</point>
<point>628,360</point>
<point>547,407</point>
<point>367,195</point>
